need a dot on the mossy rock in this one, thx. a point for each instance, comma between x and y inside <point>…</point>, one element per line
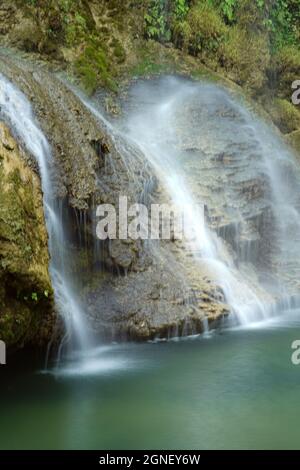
<point>284,114</point>
<point>93,68</point>
<point>26,293</point>
<point>286,69</point>
<point>201,32</point>
<point>249,68</point>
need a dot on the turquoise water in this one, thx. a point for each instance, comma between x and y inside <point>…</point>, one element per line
<point>235,389</point>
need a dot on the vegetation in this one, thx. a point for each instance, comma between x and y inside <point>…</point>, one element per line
<point>255,43</point>
<point>160,16</point>
<point>93,68</point>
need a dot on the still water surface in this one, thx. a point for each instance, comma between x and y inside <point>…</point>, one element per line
<point>234,389</point>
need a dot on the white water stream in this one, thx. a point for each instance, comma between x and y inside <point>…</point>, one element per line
<point>16,110</point>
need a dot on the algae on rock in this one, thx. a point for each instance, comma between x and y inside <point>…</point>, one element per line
<point>25,287</point>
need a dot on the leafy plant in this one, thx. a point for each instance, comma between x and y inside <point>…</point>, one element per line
<point>181,9</point>
<point>160,15</point>
<point>156,21</point>
<point>228,9</point>
<point>282,20</point>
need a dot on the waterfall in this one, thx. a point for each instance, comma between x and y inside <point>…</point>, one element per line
<point>16,110</point>
<point>205,148</point>
<point>175,121</point>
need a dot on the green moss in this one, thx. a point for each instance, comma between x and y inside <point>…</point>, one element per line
<point>286,69</point>
<point>246,68</point>
<point>118,51</point>
<point>154,59</point>
<point>93,68</point>
<point>202,31</point>
<point>75,29</point>
<point>205,74</point>
<point>285,115</point>
<point>23,248</point>
<point>149,67</point>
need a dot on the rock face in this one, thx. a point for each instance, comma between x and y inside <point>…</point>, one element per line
<point>130,290</point>
<point>25,287</point>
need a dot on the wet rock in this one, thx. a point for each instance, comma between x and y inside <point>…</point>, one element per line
<point>129,286</point>
<point>26,309</point>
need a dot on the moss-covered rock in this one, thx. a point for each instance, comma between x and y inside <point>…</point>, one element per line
<point>246,68</point>
<point>284,114</point>
<point>93,68</point>
<point>286,69</point>
<point>202,32</point>
<point>25,288</point>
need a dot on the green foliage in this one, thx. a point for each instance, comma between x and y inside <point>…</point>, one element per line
<point>149,67</point>
<point>286,66</point>
<point>228,9</point>
<point>285,115</point>
<point>75,29</point>
<point>118,50</point>
<point>282,20</point>
<point>246,57</point>
<point>202,31</point>
<point>156,20</point>
<point>181,9</point>
<point>160,16</point>
<point>93,68</point>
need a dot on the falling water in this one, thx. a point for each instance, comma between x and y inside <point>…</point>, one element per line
<point>16,110</point>
<point>177,124</point>
<point>205,148</point>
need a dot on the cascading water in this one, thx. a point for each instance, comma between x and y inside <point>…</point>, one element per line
<point>16,110</point>
<point>207,148</point>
